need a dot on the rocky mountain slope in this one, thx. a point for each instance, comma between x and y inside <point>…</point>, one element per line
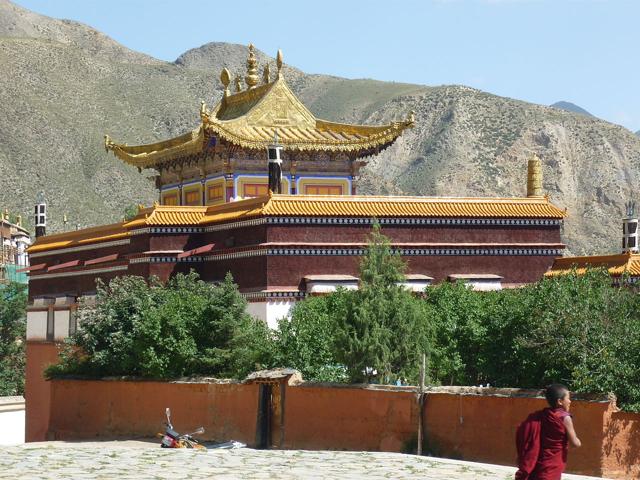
<point>63,85</point>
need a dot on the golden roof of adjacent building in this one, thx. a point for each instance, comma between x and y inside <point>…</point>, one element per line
<point>308,206</point>
<point>616,265</point>
<point>251,119</point>
<point>75,238</point>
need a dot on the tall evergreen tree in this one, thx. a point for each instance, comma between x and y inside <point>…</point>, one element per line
<point>383,332</point>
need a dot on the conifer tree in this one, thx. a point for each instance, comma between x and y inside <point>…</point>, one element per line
<point>383,331</point>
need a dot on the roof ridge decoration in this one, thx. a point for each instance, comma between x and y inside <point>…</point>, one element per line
<point>248,118</point>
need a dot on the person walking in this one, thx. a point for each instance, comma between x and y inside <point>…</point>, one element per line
<point>543,439</point>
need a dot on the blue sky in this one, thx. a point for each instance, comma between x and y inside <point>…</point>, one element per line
<point>586,52</point>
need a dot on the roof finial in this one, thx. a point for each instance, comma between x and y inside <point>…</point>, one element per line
<point>266,73</point>
<point>225,78</point>
<point>279,62</point>
<point>238,84</point>
<point>252,69</point>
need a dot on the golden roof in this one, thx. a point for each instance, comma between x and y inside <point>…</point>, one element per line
<point>616,265</point>
<point>250,119</point>
<point>309,206</point>
<point>167,215</point>
<point>75,238</point>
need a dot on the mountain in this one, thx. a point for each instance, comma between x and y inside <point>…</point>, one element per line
<point>64,85</point>
<point>638,133</point>
<point>571,107</point>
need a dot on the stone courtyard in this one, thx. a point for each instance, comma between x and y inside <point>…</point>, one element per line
<point>145,460</point>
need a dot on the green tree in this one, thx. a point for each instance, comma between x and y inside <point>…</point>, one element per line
<point>13,303</point>
<point>306,342</point>
<point>383,330</point>
<point>150,329</point>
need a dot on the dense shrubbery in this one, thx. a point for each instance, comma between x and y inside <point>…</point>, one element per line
<point>13,302</point>
<point>150,329</point>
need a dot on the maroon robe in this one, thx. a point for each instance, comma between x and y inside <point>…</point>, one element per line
<point>542,445</point>
<point>554,445</point>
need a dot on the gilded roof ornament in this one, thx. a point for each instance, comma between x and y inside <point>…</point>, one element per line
<point>279,61</point>
<point>225,78</point>
<point>108,143</point>
<point>251,78</point>
<point>266,74</point>
<point>238,84</point>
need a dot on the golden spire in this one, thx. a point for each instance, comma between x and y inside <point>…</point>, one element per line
<point>19,220</point>
<point>266,73</point>
<point>225,78</point>
<point>238,84</point>
<point>279,62</point>
<point>534,177</point>
<point>251,78</point>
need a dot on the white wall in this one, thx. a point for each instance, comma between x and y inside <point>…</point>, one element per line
<point>11,421</point>
<point>37,325</point>
<point>270,311</point>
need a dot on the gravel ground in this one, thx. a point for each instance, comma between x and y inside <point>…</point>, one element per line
<point>145,460</point>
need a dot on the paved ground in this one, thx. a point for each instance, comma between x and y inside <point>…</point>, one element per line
<point>143,460</point>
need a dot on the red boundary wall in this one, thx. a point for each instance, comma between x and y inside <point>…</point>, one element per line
<point>459,422</point>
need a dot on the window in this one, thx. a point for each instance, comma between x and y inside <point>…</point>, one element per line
<point>170,199</point>
<point>50,324</point>
<point>215,193</point>
<point>255,190</point>
<point>323,189</point>
<point>192,197</point>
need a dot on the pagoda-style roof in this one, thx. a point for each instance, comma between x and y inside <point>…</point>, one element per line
<point>251,119</point>
<point>617,264</point>
<point>347,206</point>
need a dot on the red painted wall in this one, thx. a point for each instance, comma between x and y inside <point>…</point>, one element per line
<point>89,409</point>
<point>37,390</point>
<point>321,418</point>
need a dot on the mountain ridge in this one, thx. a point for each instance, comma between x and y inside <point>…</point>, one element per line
<point>68,84</point>
<point>571,107</point>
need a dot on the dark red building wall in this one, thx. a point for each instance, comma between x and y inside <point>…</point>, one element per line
<point>290,270</point>
<point>417,233</point>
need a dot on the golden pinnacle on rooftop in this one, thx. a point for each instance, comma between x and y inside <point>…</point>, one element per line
<point>225,78</point>
<point>251,79</point>
<point>266,74</point>
<point>238,84</point>
<point>534,177</point>
<point>279,61</point>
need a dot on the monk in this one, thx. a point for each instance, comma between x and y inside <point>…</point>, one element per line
<point>556,432</point>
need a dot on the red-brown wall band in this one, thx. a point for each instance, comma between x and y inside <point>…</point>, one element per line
<point>470,426</point>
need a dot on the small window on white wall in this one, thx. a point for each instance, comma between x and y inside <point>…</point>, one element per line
<point>50,332</point>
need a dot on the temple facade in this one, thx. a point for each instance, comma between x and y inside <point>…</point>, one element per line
<point>223,159</point>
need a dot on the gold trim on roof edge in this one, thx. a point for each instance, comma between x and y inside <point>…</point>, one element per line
<point>616,264</point>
